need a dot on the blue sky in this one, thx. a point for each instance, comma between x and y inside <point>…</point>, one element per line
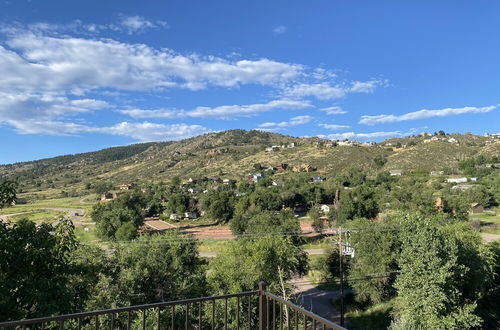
<point>78,76</point>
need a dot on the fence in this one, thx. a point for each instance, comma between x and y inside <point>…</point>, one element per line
<point>257,309</point>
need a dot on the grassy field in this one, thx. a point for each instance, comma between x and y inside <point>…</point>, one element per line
<point>69,202</point>
<point>39,216</point>
<point>213,245</point>
<point>490,222</point>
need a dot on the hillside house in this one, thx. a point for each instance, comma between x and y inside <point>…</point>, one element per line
<point>281,167</point>
<point>126,186</point>
<point>325,208</point>
<point>272,148</point>
<point>190,215</point>
<point>226,181</point>
<point>317,179</point>
<point>19,201</point>
<point>396,172</point>
<point>463,187</point>
<point>292,145</point>
<point>476,208</point>
<point>278,183</point>
<point>175,217</point>
<point>453,140</point>
<point>194,190</point>
<point>257,177</point>
<point>437,172</point>
<point>109,196</point>
<point>456,180</point>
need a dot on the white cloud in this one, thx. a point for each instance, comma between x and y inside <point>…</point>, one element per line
<point>423,114</point>
<point>326,91</point>
<point>220,112</point>
<point>333,127</point>
<point>280,29</point>
<point>362,136</point>
<point>334,110</point>
<point>295,121</point>
<point>57,63</point>
<point>147,131</point>
<point>135,24</point>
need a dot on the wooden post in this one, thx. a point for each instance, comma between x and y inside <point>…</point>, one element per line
<point>262,306</point>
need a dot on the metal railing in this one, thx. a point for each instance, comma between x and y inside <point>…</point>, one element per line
<point>245,310</point>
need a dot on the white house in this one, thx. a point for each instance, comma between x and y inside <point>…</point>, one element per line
<point>452,140</point>
<point>395,172</point>
<point>175,217</point>
<point>325,208</point>
<point>278,183</point>
<point>190,215</point>
<point>456,180</point>
<point>437,172</point>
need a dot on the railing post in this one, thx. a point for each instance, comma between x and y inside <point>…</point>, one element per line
<point>262,306</point>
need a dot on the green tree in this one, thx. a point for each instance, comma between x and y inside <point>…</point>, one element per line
<point>246,262</point>
<point>155,268</point>
<point>219,205</point>
<point>102,187</point>
<point>428,290</point>
<point>35,270</point>
<point>7,192</point>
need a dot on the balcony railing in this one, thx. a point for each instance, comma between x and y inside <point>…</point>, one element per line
<point>257,309</point>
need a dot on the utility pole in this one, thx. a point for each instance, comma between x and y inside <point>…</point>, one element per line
<point>341,267</point>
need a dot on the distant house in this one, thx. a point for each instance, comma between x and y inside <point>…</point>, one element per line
<point>126,186</point>
<point>175,217</point>
<point>452,140</point>
<point>278,183</point>
<point>325,208</point>
<point>18,201</point>
<point>437,172</point>
<point>292,145</point>
<point>226,181</point>
<point>194,190</point>
<point>281,167</point>
<point>456,180</point>
<point>257,176</point>
<point>427,140</point>
<point>273,148</point>
<point>108,196</point>
<point>190,215</point>
<point>473,179</point>
<point>396,172</point>
<point>476,208</point>
<point>317,178</point>
<point>463,187</point>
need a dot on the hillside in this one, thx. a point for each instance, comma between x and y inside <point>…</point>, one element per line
<point>234,153</point>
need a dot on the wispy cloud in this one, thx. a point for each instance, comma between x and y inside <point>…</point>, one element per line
<point>362,136</point>
<point>423,114</point>
<point>335,110</point>
<point>327,91</point>
<point>295,121</point>
<point>334,127</point>
<point>220,112</point>
<point>138,24</point>
<point>280,29</point>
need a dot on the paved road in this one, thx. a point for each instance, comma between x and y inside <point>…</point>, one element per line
<point>316,301</point>
<point>312,252</point>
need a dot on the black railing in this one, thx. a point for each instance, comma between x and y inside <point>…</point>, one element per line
<point>245,310</point>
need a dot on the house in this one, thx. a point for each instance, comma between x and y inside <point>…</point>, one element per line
<point>325,208</point>
<point>126,186</point>
<point>473,179</point>
<point>18,201</point>
<point>427,140</point>
<point>190,215</point>
<point>226,181</point>
<point>452,140</point>
<point>463,187</point>
<point>273,148</point>
<point>282,167</point>
<point>434,138</point>
<point>368,144</point>
<point>396,172</point>
<point>425,134</point>
<point>456,180</point>
<point>257,176</point>
<point>437,172</point>
<point>278,183</point>
<point>292,145</point>
<point>194,190</point>
<point>175,217</point>
<point>317,179</point>
<point>476,208</point>
<point>108,196</point>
